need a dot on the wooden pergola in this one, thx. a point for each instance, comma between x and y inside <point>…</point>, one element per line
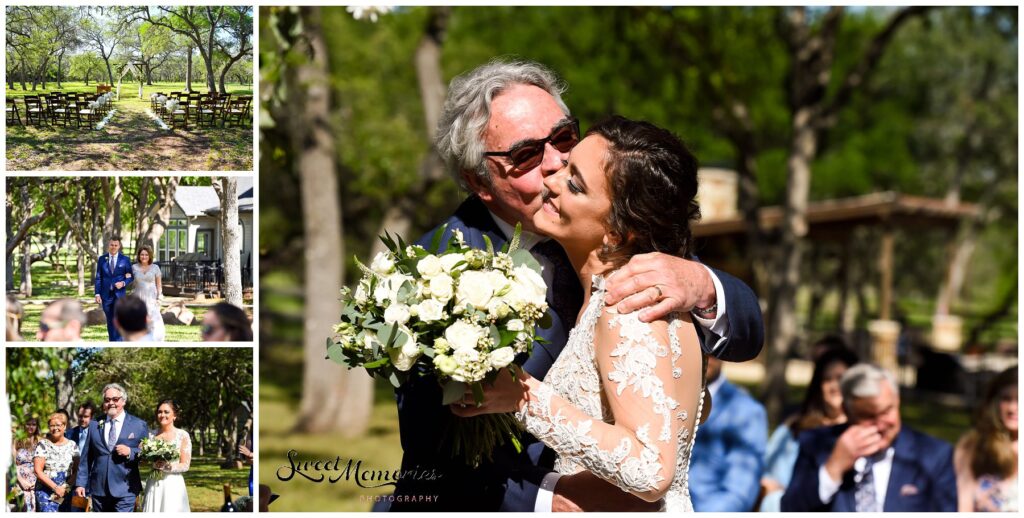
<point>835,221</point>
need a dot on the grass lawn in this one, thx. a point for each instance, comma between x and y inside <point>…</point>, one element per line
<point>205,481</point>
<point>132,140</point>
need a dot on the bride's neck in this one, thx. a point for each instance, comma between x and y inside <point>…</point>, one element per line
<point>587,263</point>
<point>165,429</point>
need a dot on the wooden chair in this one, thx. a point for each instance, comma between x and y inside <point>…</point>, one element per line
<point>59,110</point>
<point>180,114</point>
<point>86,114</point>
<point>13,114</point>
<point>207,113</point>
<point>235,112</point>
<point>34,110</point>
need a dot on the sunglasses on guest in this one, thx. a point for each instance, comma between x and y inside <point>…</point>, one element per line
<point>46,328</point>
<point>527,154</point>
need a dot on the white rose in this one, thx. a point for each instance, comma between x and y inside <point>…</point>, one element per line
<point>463,336</point>
<point>429,266</point>
<point>441,287</point>
<point>381,293</point>
<point>501,357</point>
<point>396,313</point>
<point>527,288</point>
<point>515,325</point>
<point>382,263</point>
<point>449,261</point>
<point>428,310</point>
<point>466,357</point>
<point>475,288</point>
<point>497,309</point>
<point>498,281</point>
<point>404,357</point>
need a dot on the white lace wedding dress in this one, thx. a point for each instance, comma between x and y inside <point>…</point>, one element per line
<point>165,489</point>
<point>620,400</point>
<point>145,289</point>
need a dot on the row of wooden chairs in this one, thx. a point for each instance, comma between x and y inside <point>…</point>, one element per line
<point>54,107</point>
<point>203,109</point>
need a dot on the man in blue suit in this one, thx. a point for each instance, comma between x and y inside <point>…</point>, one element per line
<point>109,465</point>
<point>503,130</point>
<point>872,463</point>
<point>728,456</point>
<point>113,274</point>
<point>79,434</point>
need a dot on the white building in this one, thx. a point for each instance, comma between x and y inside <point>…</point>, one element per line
<point>194,228</point>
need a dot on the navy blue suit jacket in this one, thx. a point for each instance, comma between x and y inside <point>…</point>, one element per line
<point>105,279</point>
<point>104,473</point>
<point>510,482</point>
<point>922,477</point>
<point>728,456</point>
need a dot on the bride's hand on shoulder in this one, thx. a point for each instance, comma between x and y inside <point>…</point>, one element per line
<point>506,394</point>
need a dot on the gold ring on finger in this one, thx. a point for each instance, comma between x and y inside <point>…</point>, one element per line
<point>660,294</point>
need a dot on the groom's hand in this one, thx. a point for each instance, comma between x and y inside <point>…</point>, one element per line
<point>122,449</point>
<point>119,284</point>
<point>661,283</point>
<point>584,491</point>
<point>99,299</point>
<point>80,492</point>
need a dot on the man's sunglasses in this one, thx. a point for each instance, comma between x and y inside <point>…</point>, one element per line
<point>528,154</point>
<point>46,328</point>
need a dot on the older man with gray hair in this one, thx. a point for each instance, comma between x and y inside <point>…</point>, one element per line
<point>109,467</point>
<point>503,130</point>
<point>872,463</point>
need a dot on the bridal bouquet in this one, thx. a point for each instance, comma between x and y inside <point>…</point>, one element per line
<point>153,450</point>
<point>461,316</point>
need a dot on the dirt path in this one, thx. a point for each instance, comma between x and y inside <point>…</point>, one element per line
<point>131,141</point>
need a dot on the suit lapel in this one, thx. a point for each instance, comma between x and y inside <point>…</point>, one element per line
<point>904,450</point>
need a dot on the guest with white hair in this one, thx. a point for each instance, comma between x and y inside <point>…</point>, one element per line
<point>872,463</point>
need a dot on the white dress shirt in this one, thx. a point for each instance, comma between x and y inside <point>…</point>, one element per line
<point>718,326</point>
<point>117,423</point>
<point>827,488</point>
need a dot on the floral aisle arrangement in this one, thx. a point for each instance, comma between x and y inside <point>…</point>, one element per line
<point>462,316</point>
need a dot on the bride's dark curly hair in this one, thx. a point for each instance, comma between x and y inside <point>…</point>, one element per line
<point>652,180</point>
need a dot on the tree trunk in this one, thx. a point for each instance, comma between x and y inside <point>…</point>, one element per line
<point>333,398</point>
<point>207,55</point>
<point>10,257</point>
<point>231,239</point>
<point>188,71</point>
<point>782,323</point>
<point>64,381</point>
<point>112,193</point>
<point>26,267</point>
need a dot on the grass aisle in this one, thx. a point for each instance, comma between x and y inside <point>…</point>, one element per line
<point>131,141</point>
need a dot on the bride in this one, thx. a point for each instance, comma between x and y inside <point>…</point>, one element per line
<point>149,288</point>
<point>624,397</point>
<point>165,489</point>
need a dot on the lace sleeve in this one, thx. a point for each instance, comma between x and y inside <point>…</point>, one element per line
<point>642,369</point>
<point>185,455</point>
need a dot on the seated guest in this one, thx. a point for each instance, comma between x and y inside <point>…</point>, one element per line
<point>226,323</point>
<point>728,457</point>
<point>986,458</point>
<point>822,406</point>
<point>872,463</point>
<point>62,321</point>
<point>131,318</point>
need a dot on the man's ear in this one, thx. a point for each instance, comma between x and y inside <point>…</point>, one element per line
<point>478,186</point>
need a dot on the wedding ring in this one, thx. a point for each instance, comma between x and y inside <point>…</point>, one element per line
<point>660,294</point>
<point>565,163</point>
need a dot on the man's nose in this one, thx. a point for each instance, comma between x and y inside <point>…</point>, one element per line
<point>552,160</point>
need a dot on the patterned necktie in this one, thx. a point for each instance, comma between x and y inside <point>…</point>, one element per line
<point>110,264</point>
<point>111,436</point>
<point>866,500</point>
<point>566,294</point>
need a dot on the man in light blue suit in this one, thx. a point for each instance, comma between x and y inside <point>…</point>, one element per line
<point>79,435</point>
<point>109,465</point>
<point>503,130</point>
<point>728,457</point>
<point>113,274</point>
